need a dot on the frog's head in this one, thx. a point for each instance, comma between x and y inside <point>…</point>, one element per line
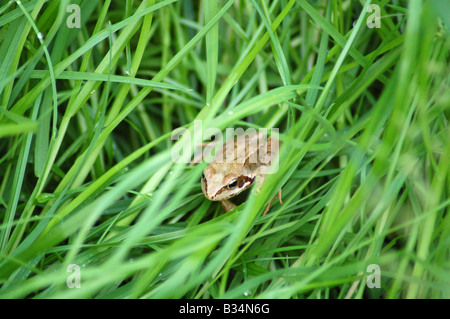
<point>221,182</point>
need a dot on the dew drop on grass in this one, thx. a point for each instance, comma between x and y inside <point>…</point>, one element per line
<point>246,293</point>
<point>40,35</point>
<point>230,112</point>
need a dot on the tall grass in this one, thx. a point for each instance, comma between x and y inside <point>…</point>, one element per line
<point>87,176</point>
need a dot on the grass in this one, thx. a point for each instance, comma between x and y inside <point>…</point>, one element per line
<point>87,116</point>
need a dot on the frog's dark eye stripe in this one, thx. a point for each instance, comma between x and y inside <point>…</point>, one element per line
<point>203,175</point>
<point>245,180</point>
<point>241,182</point>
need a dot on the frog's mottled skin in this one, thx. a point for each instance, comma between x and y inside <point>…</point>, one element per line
<point>236,167</point>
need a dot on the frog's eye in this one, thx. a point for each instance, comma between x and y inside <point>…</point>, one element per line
<point>233,184</point>
<point>203,175</point>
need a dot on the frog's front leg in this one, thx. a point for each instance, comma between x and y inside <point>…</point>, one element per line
<point>227,205</point>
